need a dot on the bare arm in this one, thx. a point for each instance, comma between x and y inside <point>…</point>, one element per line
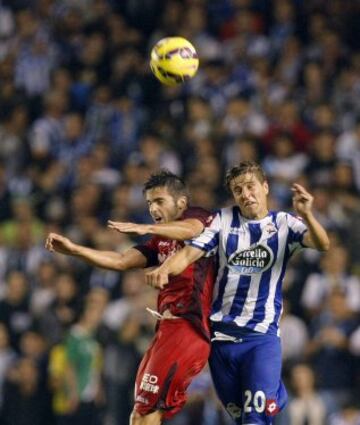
<point>316,236</point>
<point>112,260</point>
<point>180,230</point>
<point>71,384</point>
<point>174,265</point>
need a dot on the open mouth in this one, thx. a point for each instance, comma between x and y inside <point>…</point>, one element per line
<point>158,219</point>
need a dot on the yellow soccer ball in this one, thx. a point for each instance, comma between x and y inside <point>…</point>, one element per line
<point>174,60</point>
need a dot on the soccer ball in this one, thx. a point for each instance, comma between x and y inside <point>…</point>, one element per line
<point>174,60</point>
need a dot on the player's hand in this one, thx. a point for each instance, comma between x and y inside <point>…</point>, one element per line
<point>58,243</point>
<point>157,278</point>
<point>302,200</point>
<point>139,229</point>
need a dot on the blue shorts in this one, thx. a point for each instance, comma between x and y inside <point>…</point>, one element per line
<point>247,377</point>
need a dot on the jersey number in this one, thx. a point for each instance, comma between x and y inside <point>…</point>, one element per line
<point>259,401</point>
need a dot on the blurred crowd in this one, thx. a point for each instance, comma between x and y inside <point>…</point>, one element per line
<point>82,125</point>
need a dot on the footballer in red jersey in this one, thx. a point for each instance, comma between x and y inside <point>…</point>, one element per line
<point>181,345</point>
<point>189,295</point>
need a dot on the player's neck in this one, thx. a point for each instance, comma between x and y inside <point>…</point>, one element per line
<point>257,216</point>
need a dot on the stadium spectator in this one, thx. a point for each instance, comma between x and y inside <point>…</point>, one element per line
<point>77,104</point>
<point>306,405</point>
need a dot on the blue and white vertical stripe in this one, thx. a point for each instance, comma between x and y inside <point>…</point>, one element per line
<point>252,260</point>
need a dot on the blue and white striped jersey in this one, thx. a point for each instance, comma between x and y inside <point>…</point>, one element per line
<point>253,255</point>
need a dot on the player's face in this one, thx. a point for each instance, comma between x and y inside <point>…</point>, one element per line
<point>250,195</point>
<point>163,206</point>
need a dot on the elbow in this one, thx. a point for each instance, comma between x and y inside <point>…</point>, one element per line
<point>188,234</point>
<point>191,234</point>
<point>194,231</point>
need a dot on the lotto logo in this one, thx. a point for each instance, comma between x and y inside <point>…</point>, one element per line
<point>148,383</point>
<point>271,408</point>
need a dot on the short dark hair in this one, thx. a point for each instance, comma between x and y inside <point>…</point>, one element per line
<point>245,167</point>
<point>165,178</point>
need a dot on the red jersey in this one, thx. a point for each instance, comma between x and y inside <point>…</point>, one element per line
<point>189,294</point>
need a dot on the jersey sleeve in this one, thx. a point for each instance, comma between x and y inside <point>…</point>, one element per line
<point>150,251</point>
<point>208,240</point>
<point>297,230</point>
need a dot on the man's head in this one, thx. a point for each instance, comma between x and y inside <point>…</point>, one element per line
<point>248,185</point>
<point>166,195</point>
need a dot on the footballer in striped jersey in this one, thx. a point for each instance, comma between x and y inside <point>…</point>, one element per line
<point>253,246</point>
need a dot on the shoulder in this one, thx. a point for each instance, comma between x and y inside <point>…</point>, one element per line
<point>195,212</point>
<point>282,217</point>
<point>229,211</point>
<point>198,213</point>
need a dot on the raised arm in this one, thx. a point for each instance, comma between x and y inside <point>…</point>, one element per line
<point>111,260</point>
<point>180,230</point>
<point>174,265</point>
<point>316,236</point>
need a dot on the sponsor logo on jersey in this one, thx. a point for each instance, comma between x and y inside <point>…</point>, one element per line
<point>149,383</point>
<point>141,399</point>
<point>271,408</point>
<point>252,260</point>
<point>167,249</point>
<point>234,410</point>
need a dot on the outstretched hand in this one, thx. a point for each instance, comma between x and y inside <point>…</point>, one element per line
<point>302,200</point>
<point>60,244</point>
<point>139,229</point>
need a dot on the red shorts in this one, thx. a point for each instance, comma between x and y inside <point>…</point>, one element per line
<point>176,355</point>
